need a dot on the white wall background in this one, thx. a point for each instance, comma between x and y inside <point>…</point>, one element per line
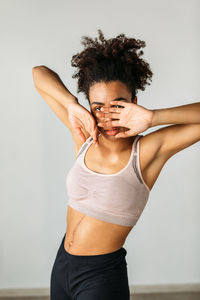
<point>37,149</point>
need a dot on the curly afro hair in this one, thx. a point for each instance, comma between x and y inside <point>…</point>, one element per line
<point>110,60</point>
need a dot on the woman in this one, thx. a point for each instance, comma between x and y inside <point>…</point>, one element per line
<point>115,167</point>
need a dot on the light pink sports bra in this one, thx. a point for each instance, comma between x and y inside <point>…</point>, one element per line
<point>117,198</point>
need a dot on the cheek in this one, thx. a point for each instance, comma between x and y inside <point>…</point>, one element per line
<point>94,114</point>
<point>97,118</point>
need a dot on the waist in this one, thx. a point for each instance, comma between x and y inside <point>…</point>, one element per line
<point>87,235</point>
<point>93,258</point>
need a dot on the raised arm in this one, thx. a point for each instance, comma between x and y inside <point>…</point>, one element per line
<point>49,82</point>
<point>65,105</point>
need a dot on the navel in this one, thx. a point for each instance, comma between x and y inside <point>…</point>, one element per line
<point>74,230</point>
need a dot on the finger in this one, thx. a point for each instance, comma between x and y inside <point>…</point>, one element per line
<point>111,109</point>
<point>108,115</point>
<point>81,134</point>
<point>121,103</point>
<point>95,133</point>
<point>103,120</point>
<point>95,136</point>
<point>124,134</point>
<point>109,124</point>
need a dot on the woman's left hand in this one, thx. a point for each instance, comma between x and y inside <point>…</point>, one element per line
<point>132,116</point>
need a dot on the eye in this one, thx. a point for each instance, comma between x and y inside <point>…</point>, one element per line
<point>119,106</point>
<point>97,107</point>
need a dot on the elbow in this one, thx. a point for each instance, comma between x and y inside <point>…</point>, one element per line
<point>36,74</point>
<point>41,67</point>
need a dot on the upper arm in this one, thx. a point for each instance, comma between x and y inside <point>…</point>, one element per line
<point>62,113</point>
<point>158,146</point>
<point>175,138</point>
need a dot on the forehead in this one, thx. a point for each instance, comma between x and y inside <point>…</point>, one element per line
<point>107,91</point>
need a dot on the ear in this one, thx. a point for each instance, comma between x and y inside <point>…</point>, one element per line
<point>135,100</point>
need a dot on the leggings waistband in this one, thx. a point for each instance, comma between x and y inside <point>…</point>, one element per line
<point>94,258</point>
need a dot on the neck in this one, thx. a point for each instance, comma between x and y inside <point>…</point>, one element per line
<point>115,145</point>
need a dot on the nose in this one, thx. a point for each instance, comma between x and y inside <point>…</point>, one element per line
<point>101,119</point>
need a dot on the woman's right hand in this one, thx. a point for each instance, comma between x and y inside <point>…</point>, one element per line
<point>80,117</point>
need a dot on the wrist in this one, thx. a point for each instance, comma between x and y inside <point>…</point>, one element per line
<point>154,121</point>
<point>70,99</point>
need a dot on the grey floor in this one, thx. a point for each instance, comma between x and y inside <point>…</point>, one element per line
<point>168,296</point>
<point>157,296</point>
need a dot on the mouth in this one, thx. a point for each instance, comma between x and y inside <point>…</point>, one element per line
<point>112,131</point>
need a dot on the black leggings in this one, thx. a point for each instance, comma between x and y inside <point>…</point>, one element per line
<point>89,277</point>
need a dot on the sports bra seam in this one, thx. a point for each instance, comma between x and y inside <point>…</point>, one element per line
<point>112,213</point>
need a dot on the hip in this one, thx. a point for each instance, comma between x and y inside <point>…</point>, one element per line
<point>92,274</point>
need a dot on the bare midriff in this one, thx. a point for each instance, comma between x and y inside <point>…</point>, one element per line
<point>86,235</point>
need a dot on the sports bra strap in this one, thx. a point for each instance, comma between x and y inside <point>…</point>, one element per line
<point>84,145</point>
<point>135,150</point>
<point>135,160</point>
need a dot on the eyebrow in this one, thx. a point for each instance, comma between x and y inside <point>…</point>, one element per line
<point>119,99</point>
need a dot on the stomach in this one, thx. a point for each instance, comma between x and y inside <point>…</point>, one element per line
<point>86,235</point>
